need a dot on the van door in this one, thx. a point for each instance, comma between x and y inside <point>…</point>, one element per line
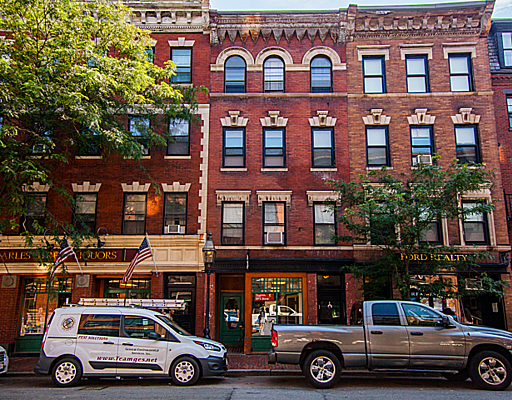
<point>97,342</point>
<point>139,354</point>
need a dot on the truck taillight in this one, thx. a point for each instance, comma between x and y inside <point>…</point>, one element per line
<point>44,336</point>
<point>274,338</point>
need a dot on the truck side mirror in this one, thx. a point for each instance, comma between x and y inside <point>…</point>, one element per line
<point>154,336</point>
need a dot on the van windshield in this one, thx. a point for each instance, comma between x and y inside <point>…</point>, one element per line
<point>173,325</point>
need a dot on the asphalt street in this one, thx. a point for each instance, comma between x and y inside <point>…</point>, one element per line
<point>380,387</point>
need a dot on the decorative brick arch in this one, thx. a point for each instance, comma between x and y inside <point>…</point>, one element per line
<point>234,51</point>
<point>321,50</point>
<point>274,51</point>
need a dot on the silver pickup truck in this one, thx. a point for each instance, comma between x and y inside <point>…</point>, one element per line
<point>396,335</point>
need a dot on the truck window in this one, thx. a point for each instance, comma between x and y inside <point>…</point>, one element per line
<point>140,327</point>
<point>99,325</point>
<point>385,314</point>
<point>421,316</point>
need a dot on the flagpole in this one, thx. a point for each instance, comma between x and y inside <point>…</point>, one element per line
<point>152,256</point>
<point>79,267</point>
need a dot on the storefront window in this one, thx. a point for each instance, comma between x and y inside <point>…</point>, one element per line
<point>39,301</point>
<point>275,300</point>
<point>134,289</point>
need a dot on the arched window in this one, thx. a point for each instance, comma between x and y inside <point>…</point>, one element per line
<point>235,74</point>
<point>321,72</point>
<point>273,74</point>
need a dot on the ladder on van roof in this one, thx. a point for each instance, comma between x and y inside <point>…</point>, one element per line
<point>160,304</point>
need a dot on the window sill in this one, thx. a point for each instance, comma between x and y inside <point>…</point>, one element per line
<point>177,85</point>
<point>267,169</point>
<point>233,169</point>
<point>324,169</point>
<point>388,168</point>
<point>88,157</point>
<point>177,157</point>
<point>142,158</point>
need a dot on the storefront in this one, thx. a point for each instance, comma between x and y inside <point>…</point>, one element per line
<point>182,287</point>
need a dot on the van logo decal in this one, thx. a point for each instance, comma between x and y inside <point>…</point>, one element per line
<point>68,323</point>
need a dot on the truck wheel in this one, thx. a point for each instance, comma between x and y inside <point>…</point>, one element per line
<point>67,372</point>
<point>185,371</point>
<point>460,376</point>
<point>322,369</point>
<point>490,370</point>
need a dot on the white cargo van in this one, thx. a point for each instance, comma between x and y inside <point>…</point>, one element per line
<point>124,342</point>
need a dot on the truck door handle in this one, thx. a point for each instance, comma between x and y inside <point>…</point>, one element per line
<point>108,342</point>
<point>416,333</point>
<point>127,344</point>
<point>376,332</point>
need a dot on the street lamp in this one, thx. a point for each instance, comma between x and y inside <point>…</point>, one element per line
<point>209,258</point>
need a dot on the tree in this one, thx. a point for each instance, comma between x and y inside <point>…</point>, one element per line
<point>402,215</point>
<point>70,73</point>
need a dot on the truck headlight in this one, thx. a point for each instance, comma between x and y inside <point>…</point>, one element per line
<point>207,346</point>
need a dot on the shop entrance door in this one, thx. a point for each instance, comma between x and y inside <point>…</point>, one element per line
<point>231,332</point>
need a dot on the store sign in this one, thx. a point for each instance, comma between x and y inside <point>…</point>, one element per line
<point>110,255</point>
<point>434,257</point>
<point>264,296</point>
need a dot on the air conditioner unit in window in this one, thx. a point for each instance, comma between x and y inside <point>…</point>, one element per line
<point>422,159</point>
<point>275,238</point>
<point>168,229</point>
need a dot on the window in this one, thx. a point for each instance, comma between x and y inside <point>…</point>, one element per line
<point>273,74</point>
<point>382,228</point>
<point>377,146</point>
<point>183,59</point>
<point>421,316</point>
<point>135,289</point>
<point>35,216</point>
<point>137,327</point>
<point>417,73</point>
<point>476,230</point>
<point>422,144</point>
<point>44,144</point>
<point>432,231</point>
<point>233,223</point>
<point>235,75</point>
<point>460,72</point>
<point>325,226</point>
<point>273,223</point>
<point>274,151</point>
<point>323,147</point>
<point>385,314</point>
<point>150,54</point>
<point>99,325</point>
<point>89,146</point>
<point>179,138</point>
<point>321,75</point>
<point>84,216</point>
<point>138,127</point>
<point>467,144</point>
<point>373,74</point>
<point>506,39</point>
<point>175,213</point>
<point>134,214</point>
<point>234,147</point>
<point>509,111</point>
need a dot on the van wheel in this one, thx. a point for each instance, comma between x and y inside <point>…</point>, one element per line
<point>322,369</point>
<point>185,371</point>
<point>67,372</point>
<point>490,370</point>
<point>460,376</point>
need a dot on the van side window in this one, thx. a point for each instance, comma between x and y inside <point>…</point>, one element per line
<point>385,314</point>
<point>140,327</point>
<point>99,325</point>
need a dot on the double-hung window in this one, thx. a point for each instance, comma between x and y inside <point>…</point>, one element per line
<point>432,228</point>
<point>179,138</point>
<point>377,146</point>
<point>325,225</point>
<point>374,74</point>
<point>274,150</point>
<point>273,74</point>
<point>476,229</point>
<point>509,112</point>
<point>422,144</point>
<point>182,57</point>
<point>138,128</point>
<point>234,79</point>
<point>150,54</point>
<point>84,216</point>
<point>461,79</point>
<point>90,145</point>
<point>175,213</point>
<point>466,138</point>
<point>35,213</point>
<point>417,73</point>
<point>233,223</point>
<point>134,214</point>
<point>323,147</point>
<point>506,40</point>
<point>234,147</point>
<point>274,223</point>
<point>321,75</point>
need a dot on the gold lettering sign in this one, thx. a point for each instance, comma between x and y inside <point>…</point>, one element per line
<point>433,257</point>
<point>110,255</point>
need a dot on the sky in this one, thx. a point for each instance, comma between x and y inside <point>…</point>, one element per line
<point>502,8</point>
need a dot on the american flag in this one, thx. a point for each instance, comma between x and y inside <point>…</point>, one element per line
<point>143,253</point>
<point>65,252</point>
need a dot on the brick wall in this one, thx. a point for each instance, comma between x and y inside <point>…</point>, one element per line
<point>9,313</point>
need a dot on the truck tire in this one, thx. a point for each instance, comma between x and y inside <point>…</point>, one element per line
<point>460,376</point>
<point>67,372</point>
<point>490,370</point>
<point>322,369</point>
<point>185,371</point>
